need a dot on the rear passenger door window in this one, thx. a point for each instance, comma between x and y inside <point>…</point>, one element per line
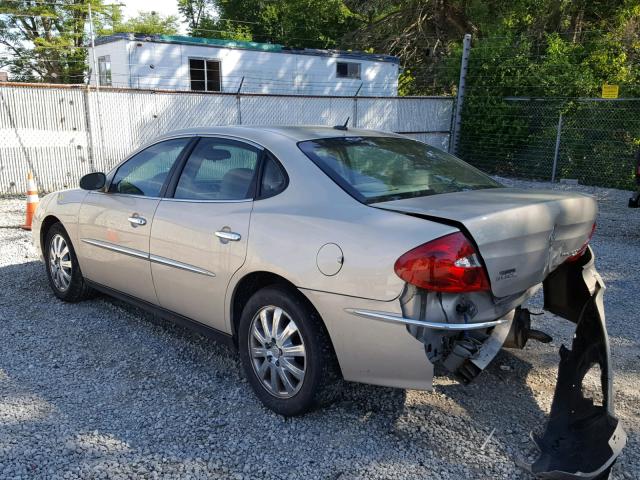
<point>219,169</point>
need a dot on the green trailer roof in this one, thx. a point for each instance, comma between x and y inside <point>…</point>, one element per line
<point>267,47</point>
<point>240,44</point>
<point>185,40</point>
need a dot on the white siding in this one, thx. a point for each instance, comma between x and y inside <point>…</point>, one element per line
<point>119,62</point>
<point>152,65</point>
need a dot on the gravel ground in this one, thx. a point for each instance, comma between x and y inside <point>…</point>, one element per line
<point>103,390</point>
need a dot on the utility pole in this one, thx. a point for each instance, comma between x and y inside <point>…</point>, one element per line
<point>466,49</point>
<point>96,74</point>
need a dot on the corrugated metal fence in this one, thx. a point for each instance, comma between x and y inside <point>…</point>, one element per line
<point>60,132</point>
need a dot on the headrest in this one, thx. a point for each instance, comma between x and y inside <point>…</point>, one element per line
<point>217,154</point>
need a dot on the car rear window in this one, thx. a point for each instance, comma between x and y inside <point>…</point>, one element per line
<point>374,169</point>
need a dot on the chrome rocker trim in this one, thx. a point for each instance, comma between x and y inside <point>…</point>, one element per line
<point>395,318</point>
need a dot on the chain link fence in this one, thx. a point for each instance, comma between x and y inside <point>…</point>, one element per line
<point>590,140</point>
<point>532,105</point>
<point>60,133</point>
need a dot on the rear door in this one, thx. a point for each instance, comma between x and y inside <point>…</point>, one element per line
<point>114,226</point>
<point>199,233</point>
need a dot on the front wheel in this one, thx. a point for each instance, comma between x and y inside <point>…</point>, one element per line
<point>285,351</point>
<point>63,269</point>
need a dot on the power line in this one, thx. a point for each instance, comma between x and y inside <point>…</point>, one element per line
<point>60,4</point>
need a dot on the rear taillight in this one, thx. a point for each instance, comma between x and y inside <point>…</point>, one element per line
<point>576,256</point>
<point>448,264</point>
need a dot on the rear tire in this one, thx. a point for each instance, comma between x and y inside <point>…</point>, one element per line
<point>63,269</point>
<point>290,369</point>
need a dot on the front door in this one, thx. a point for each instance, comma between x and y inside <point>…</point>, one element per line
<point>114,226</point>
<point>199,237</point>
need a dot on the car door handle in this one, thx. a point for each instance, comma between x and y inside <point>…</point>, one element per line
<point>229,236</point>
<point>137,221</point>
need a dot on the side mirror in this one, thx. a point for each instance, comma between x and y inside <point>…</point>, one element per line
<point>93,181</point>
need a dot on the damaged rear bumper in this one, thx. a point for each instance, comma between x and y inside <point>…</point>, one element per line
<point>581,439</point>
<point>385,343</point>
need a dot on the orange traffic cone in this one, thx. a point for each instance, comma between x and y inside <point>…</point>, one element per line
<point>32,201</point>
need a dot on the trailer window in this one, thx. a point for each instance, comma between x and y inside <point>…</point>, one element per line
<point>104,70</point>
<point>348,70</point>
<point>205,75</point>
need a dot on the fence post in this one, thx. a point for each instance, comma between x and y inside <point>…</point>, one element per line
<point>87,116</point>
<point>557,151</point>
<point>466,48</point>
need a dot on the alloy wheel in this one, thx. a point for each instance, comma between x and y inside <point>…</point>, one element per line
<point>60,265</point>
<point>277,352</point>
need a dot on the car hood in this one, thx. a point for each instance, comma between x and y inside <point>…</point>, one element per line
<point>522,235</point>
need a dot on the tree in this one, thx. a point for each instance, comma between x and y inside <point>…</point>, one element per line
<point>295,23</point>
<point>47,41</point>
<point>149,23</point>
<point>196,12</point>
<point>423,33</point>
<point>513,41</point>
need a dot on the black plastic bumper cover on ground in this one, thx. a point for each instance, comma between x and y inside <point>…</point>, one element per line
<point>581,439</point>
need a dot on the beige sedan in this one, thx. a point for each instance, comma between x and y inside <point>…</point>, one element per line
<point>321,252</point>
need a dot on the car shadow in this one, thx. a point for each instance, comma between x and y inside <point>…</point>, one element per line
<point>116,384</point>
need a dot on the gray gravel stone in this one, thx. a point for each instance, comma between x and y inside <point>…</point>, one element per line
<point>102,390</point>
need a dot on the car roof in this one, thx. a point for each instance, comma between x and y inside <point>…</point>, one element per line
<point>295,133</point>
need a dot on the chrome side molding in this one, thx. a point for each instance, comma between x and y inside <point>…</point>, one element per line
<point>182,266</point>
<point>395,318</point>
<point>153,258</point>
<point>116,248</point>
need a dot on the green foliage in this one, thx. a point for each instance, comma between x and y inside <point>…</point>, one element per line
<point>196,13</point>
<point>295,23</point>
<point>45,41</point>
<point>149,23</point>
<point>209,27</point>
<point>555,60</point>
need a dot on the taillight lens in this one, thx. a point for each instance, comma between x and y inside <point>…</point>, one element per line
<point>447,264</point>
<point>576,256</point>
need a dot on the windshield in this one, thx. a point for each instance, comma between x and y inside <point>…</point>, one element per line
<point>374,169</point>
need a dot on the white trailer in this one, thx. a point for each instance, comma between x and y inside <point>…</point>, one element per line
<point>164,62</point>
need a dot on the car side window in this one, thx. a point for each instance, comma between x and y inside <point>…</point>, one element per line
<point>145,173</point>
<point>218,170</point>
<point>274,180</point>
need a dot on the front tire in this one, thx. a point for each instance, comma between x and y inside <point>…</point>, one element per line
<point>63,269</point>
<point>285,351</point>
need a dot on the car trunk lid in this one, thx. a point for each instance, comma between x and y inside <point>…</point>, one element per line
<point>522,235</point>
